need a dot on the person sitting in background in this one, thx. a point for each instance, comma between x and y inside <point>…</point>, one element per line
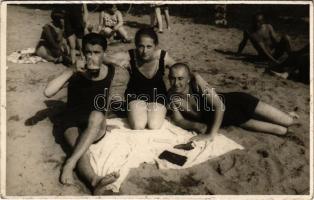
<point>111,23</point>
<point>268,44</point>
<point>295,67</point>
<point>196,106</point>
<point>52,45</point>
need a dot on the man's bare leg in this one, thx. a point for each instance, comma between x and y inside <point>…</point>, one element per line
<point>96,129</point>
<point>273,114</point>
<point>265,127</point>
<point>84,167</point>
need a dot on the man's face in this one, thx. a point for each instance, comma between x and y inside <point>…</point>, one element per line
<point>179,79</point>
<point>94,57</point>
<point>259,21</point>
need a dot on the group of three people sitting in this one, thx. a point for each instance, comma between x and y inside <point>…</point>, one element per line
<point>191,102</point>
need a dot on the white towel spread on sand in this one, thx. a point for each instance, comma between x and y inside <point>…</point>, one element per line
<point>25,56</point>
<point>122,149</point>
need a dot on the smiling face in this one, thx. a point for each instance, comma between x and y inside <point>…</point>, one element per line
<point>179,80</point>
<point>146,48</point>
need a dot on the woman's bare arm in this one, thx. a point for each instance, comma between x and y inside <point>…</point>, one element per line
<point>120,21</point>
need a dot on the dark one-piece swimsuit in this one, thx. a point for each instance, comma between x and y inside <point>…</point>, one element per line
<point>141,88</point>
<point>82,96</point>
<point>239,107</point>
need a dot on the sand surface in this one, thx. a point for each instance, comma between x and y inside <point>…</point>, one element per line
<point>268,165</point>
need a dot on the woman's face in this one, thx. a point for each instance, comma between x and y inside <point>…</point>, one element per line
<point>146,48</point>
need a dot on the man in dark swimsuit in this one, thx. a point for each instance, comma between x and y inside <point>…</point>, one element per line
<point>265,40</point>
<point>195,106</point>
<point>84,119</point>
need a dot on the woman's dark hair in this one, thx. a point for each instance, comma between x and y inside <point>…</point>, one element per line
<point>94,38</point>
<point>146,32</point>
<point>57,14</point>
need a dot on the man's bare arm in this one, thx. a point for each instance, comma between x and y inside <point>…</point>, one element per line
<point>121,59</point>
<point>214,100</point>
<point>184,123</point>
<point>266,52</point>
<point>57,84</point>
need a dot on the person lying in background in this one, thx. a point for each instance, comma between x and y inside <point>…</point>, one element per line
<point>52,45</point>
<point>199,108</point>
<point>111,24</point>
<point>268,44</point>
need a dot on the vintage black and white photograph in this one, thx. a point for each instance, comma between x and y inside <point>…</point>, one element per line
<point>156,98</point>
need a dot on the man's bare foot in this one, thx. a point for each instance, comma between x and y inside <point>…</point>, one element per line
<point>66,177</point>
<point>101,189</point>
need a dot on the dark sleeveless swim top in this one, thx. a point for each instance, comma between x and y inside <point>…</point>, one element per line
<point>141,88</point>
<point>82,93</point>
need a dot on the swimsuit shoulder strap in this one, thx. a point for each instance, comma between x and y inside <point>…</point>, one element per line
<point>132,60</point>
<point>162,61</point>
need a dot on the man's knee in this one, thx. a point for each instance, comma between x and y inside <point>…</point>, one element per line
<point>96,118</point>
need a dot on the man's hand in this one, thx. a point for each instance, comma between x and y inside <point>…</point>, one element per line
<point>202,137</point>
<point>80,66</point>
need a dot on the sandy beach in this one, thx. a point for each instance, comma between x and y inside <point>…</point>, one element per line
<point>268,165</point>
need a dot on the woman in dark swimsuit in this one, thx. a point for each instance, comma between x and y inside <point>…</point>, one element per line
<point>146,90</point>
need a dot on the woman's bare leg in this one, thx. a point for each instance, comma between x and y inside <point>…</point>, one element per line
<point>273,114</point>
<point>265,127</point>
<point>156,114</point>
<point>137,114</point>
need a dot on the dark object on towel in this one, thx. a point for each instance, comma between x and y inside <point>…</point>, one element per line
<point>173,158</point>
<point>188,146</point>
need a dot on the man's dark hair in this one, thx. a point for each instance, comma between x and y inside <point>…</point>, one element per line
<point>181,65</point>
<point>94,38</point>
<point>146,32</point>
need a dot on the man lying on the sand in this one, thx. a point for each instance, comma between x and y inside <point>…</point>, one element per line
<point>265,40</point>
<point>52,45</point>
<point>84,124</point>
<point>199,108</point>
